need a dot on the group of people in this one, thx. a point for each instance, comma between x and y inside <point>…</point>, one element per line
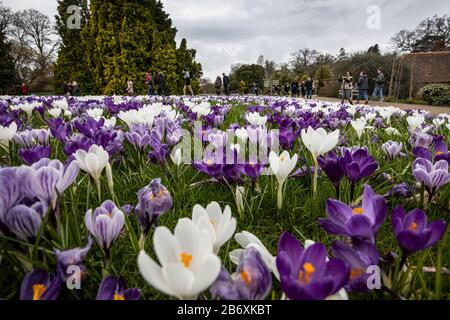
<point>304,88</point>
<point>71,88</point>
<point>225,82</point>
<point>348,85</point>
<point>157,85</point>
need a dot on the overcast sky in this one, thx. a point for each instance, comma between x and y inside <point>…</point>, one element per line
<point>226,32</point>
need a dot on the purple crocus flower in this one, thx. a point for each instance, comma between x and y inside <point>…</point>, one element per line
<point>59,129</point>
<point>392,149</point>
<point>72,257</point>
<point>401,189</point>
<point>413,231</point>
<point>39,285</point>
<point>362,222</point>
<point>358,258</point>
<point>358,164</point>
<point>113,288</point>
<point>308,274</point>
<point>252,280</point>
<point>46,179</point>
<point>10,194</point>
<point>332,166</point>
<point>34,154</point>
<point>154,201</point>
<point>160,150</point>
<point>24,221</point>
<point>433,177</point>
<point>441,150</point>
<point>105,224</point>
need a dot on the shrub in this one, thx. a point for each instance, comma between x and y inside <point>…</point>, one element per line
<point>436,94</point>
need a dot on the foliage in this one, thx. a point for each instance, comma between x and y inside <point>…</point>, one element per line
<point>249,74</point>
<point>322,73</point>
<point>436,94</point>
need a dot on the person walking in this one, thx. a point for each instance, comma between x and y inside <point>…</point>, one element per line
<point>303,88</point>
<point>130,88</point>
<point>294,88</point>
<point>226,84</point>
<point>286,89</point>
<point>255,89</point>
<point>75,88</point>
<point>218,85</point>
<point>69,88</point>
<point>363,87</point>
<point>347,87</point>
<point>24,89</point>
<point>379,85</point>
<point>150,84</point>
<point>187,83</point>
<point>161,80</point>
<point>309,84</point>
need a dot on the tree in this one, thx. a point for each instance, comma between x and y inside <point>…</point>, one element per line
<point>7,68</point>
<point>260,61</point>
<point>374,49</point>
<point>126,38</point>
<point>342,54</point>
<point>269,69</point>
<point>432,34</point>
<point>249,74</point>
<point>32,33</point>
<point>71,63</point>
<point>323,72</point>
<point>303,60</point>
<point>186,62</point>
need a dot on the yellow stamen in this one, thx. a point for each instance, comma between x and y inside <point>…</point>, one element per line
<point>358,211</point>
<point>38,291</point>
<point>355,273</point>
<point>282,158</point>
<point>439,153</point>
<point>118,296</point>
<point>209,162</point>
<point>185,259</point>
<point>305,277</point>
<point>413,226</point>
<point>213,222</point>
<point>245,277</point>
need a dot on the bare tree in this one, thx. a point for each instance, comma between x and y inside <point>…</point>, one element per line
<point>302,60</point>
<point>5,18</point>
<point>34,44</point>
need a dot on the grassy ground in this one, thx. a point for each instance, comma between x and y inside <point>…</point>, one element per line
<point>299,215</point>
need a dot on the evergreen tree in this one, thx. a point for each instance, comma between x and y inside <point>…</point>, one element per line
<point>7,68</point>
<point>71,64</point>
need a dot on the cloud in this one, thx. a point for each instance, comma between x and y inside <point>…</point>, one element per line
<point>238,31</point>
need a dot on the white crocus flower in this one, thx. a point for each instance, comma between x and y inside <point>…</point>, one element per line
<point>392,131</point>
<point>281,167</point>
<point>319,142</point>
<point>94,112</point>
<point>93,162</point>
<point>55,112</point>
<point>448,125</point>
<point>188,265</point>
<point>68,114</point>
<point>239,198</point>
<point>7,134</point>
<point>61,104</point>
<point>246,240</point>
<point>222,225</point>
<point>241,134</point>
<point>176,156</point>
<point>255,119</point>
<point>438,122</point>
<point>414,122</point>
<point>359,125</point>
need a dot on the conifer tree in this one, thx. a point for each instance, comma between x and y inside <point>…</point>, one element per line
<point>71,61</point>
<point>7,69</point>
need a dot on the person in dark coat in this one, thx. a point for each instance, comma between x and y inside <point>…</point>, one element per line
<point>187,83</point>
<point>226,84</point>
<point>69,88</point>
<point>294,88</point>
<point>161,80</point>
<point>303,89</point>
<point>379,85</point>
<point>75,88</point>
<point>150,84</point>
<point>286,89</point>
<point>363,87</point>
<point>255,89</point>
<point>218,85</point>
<point>309,85</point>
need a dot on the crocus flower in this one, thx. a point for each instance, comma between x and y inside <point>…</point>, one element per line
<point>246,240</point>
<point>319,142</point>
<point>39,285</point>
<point>252,280</point>
<point>188,263</point>
<point>7,134</point>
<point>362,222</point>
<point>306,274</point>
<point>332,167</point>
<point>35,153</point>
<point>433,177</point>
<point>25,221</point>
<point>358,164</point>
<point>414,122</point>
<point>282,166</point>
<point>154,201</point>
<point>413,231</point>
<point>392,149</point>
<point>93,162</point>
<point>113,288</point>
<point>358,258</point>
<point>222,224</point>
<point>105,224</point>
<point>72,257</point>
<point>46,179</point>
<point>359,125</point>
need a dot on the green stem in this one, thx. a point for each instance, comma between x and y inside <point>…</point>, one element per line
<point>99,190</point>
<point>280,195</point>
<point>315,176</point>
